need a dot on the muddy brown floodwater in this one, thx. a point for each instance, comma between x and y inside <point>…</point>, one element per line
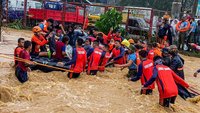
<point>108,92</point>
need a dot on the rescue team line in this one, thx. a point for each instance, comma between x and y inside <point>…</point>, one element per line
<point>25,61</point>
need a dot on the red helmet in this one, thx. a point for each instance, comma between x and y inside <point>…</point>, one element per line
<point>36,29</point>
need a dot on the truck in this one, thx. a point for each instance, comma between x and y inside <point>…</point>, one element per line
<point>16,8</point>
<point>56,10</point>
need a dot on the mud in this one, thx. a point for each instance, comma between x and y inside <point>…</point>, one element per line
<point>105,93</point>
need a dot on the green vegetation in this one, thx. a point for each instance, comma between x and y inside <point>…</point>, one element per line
<point>17,24</point>
<point>110,19</point>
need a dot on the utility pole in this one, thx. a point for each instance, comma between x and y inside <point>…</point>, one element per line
<point>176,8</point>
<point>1,17</point>
<point>25,12</point>
<point>194,8</point>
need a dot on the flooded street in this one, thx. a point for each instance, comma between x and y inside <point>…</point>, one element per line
<point>108,92</point>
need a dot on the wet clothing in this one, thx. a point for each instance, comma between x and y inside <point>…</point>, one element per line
<point>132,57</point>
<point>24,55</point>
<point>21,69</point>
<point>95,59</point>
<point>167,101</point>
<point>166,60</point>
<point>21,75</point>
<point>73,75</point>
<point>78,61</point>
<point>177,65</point>
<point>145,72</point>
<point>119,55</point>
<point>17,52</point>
<point>166,80</point>
<point>104,61</point>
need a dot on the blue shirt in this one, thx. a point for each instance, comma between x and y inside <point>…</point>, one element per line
<point>183,25</point>
<point>133,58</point>
<point>194,25</point>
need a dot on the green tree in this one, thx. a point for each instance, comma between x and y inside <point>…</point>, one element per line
<point>111,19</point>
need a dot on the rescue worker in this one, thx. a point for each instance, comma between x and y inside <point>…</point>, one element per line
<point>150,52</point>
<point>18,49</point>
<point>118,36</point>
<point>78,61</point>
<point>138,49</point>
<point>176,62</point>
<point>166,80</point>
<point>37,42</point>
<point>131,62</point>
<point>105,59</point>
<point>118,54</point>
<point>95,56</point>
<point>156,49</point>
<point>166,57</point>
<point>145,72</point>
<point>23,67</point>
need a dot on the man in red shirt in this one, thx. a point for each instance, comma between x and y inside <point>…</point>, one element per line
<point>78,61</point>
<point>18,49</point>
<point>166,80</point>
<point>105,59</point>
<point>145,72</point>
<point>95,56</point>
<point>23,67</point>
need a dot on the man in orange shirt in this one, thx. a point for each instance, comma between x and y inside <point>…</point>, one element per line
<point>156,49</point>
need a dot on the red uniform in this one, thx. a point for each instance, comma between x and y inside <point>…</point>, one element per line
<point>104,61</point>
<point>17,52</point>
<point>151,55</point>
<point>118,38</point>
<point>81,61</point>
<point>147,72</point>
<point>116,53</point>
<point>95,59</point>
<point>24,55</point>
<point>166,82</point>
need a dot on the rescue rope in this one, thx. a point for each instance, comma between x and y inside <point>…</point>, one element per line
<point>26,61</point>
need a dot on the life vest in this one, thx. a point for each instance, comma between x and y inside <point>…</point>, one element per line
<point>115,53</point>
<point>104,61</point>
<point>16,53</point>
<point>165,81</point>
<point>138,61</point>
<point>37,42</point>
<point>95,59</point>
<point>147,72</point>
<point>81,60</point>
<point>151,55</point>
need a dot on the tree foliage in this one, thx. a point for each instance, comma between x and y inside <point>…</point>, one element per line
<point>111,19</point>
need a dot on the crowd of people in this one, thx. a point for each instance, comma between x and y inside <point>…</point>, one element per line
<point>185,33</point>
<point>94,51</point>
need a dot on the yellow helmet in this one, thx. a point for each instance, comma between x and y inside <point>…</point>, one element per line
<point>126,43</point>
